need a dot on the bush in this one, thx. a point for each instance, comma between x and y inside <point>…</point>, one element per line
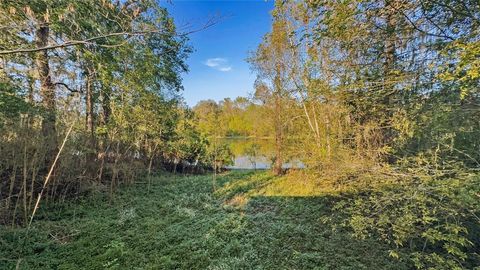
<point>435,220</point>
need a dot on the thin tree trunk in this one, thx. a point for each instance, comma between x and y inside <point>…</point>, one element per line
<point>277,167</point>
<point>327,137</point>
<point>390,19</point>
<point>32,182</point>
<point>150,167</point>
<point>50,172</point>
<point>104,118</point>
<point>89,125</point>
<point>114,171</point>
<point>25,175</point>
<point>31,87</point>
<point>389,64</point>
<point>175,163</point>
<point>12,185</point>
<point>214,180</point>
<point>389,51</point>
<point>106,109</point>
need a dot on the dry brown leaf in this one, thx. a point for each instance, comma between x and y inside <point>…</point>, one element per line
<point>46,17</point>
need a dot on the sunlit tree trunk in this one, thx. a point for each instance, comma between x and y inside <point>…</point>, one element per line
<point>278,125</point>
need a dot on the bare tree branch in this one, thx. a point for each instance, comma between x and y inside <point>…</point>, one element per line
<point>90,41</point>
<point>68,88</point>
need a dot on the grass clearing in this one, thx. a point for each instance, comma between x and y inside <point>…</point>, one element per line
<point>182,224</point>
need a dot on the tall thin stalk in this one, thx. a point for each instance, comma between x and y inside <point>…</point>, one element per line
<point>49,176</point>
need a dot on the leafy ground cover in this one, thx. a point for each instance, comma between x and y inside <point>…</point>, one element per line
<point>182,223</point>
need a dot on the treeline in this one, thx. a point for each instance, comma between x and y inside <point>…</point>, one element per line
<point>109,71</point>
<point>381,98</point>
<point>243,127</point>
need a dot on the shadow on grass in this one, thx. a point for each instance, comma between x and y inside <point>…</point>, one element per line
<point>181,224</point>
<point>304,233</point>
<point>300,230</point>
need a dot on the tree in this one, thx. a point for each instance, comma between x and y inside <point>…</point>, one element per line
<point>378,88</point>
<point>113,69</point>
<point>270,61</point>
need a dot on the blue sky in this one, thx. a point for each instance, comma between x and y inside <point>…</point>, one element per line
<point>217,66</point>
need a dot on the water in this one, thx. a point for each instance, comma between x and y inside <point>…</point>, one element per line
<point>261,163</point>
<point>257,153</point>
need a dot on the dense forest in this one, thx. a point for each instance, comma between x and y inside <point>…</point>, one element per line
<point>378,99</point>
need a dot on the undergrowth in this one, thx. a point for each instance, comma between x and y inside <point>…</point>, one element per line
<point>181,223</point>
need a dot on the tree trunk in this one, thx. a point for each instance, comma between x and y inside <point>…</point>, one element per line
<point>278,125</point>
<point>47,92</point>
<point>106,110</point>
<point>390,96</point>
<point>390,47</point>
<point>152,156</point>
<point>277,166</point>
<point>103,121</point>
<point>214,179</point>
<point>31,86</point>
<point>89,124</point>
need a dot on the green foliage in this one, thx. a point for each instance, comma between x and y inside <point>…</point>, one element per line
<point>11,104</point>
<point>436,220</point>
<point>221,154</point>
<point>388,97</point>
<point>114,78</point>
<point>181,224</point>
<point>379,99</point>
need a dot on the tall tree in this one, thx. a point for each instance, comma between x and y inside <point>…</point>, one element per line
<point>270,61</point>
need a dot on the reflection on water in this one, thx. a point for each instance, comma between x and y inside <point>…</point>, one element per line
<point>261,162</point>
<point>255,153</point>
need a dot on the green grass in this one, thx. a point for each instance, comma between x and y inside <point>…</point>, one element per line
<point>182,224</point>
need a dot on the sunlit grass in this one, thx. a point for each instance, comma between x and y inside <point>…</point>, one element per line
<point>294,184</point>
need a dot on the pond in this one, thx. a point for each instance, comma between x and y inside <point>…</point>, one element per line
<point>256,153</point>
